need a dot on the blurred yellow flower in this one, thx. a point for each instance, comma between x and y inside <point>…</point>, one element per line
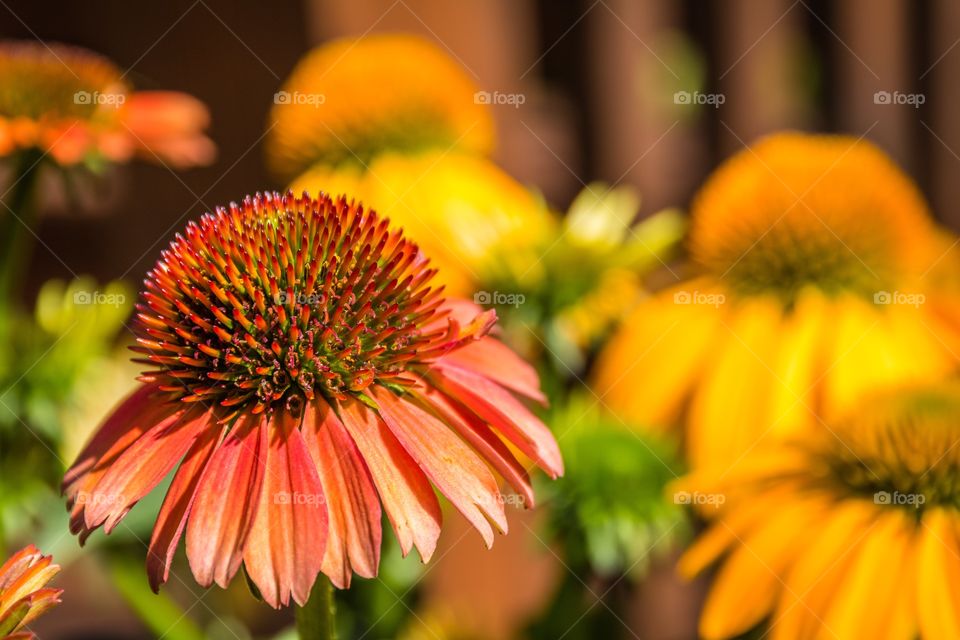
<point>352,99</point>
<point>817,279</point>
<point>469,217</point>
<point>853,532</point>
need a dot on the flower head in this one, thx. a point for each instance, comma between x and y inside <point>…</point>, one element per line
<point>23,595</point>
<point>349,100</point>
<point>304,372</point>
<point>75,105</point>
<point>470,217</point>
<point>815,284</point>
<point>852,533</point>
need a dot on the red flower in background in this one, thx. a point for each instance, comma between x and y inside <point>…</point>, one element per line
<point>304,376</point>
<point>23,595</point>
<point>75,105</point>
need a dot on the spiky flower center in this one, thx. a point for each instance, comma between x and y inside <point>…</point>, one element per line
<point>801,211</point>
<point>53,81</point>
<point>267,303</point>
<point>903,451</point>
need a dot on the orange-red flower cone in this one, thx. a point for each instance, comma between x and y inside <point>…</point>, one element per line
<point>23,594</point>
<point>305,375</point>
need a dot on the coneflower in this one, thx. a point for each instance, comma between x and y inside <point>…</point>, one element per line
<point>23,594</point>
<point>304,373</point>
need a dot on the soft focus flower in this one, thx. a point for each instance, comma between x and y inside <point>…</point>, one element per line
<point>851,533</point>
<point>75,105</point>
<point>23,595</point>
<point>470,218</point>
<point>817,281</point>
<point>352,99</point>
<point>306,373</point>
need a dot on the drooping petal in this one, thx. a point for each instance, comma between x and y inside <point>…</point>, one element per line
<point>226,503</point>
<point>287,541</point>
<point>141,467</point>
<point>455,470</point>
<point>353,508</point>
<point>404,490</point>
<point>938,585</point>
<point>476,432</point>
<point>505,413</point>
<point>172,518</point>
<point>493,359</point>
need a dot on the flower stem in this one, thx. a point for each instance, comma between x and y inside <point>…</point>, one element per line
<point>316,620</point>
<point>17,216</point>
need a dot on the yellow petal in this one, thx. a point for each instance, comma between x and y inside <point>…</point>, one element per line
<point>647,369</point>
<point>938,588</point>
<point>876,598</point>
<point>749,582</point>
<point>729,413</point>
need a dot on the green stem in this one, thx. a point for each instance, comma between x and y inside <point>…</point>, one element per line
<point>17,217</point>
<point>316,620</point>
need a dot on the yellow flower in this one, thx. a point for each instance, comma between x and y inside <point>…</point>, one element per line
<point>351,99</point>
<point>817,269</point>
<point>851,533</point>
<point>468,216</point>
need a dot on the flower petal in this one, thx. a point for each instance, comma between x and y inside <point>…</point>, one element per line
<point>288,539</point>
<point>493,359</point>
<point>141,467</point>
<point>226,503</point>
<point>505,413</point>
<point>483,439</point>
<point>353,508</point>
<point>405,492</point>
<point>449,463</point>
<point>172,518</point>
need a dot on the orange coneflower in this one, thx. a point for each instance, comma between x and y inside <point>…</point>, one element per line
<point>352,99</point>
<point>304,373</point>
<point>75,105</point>
<point>819,276</point>
<point>851,533</point>
<point>23,595</point>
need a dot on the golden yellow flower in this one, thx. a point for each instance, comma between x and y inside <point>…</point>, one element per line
<point>467,215</point>
<point>817,270</point>
<point>851,533</point>
<point>351,99</point>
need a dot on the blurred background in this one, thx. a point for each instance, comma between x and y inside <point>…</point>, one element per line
<point>646,93</point>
